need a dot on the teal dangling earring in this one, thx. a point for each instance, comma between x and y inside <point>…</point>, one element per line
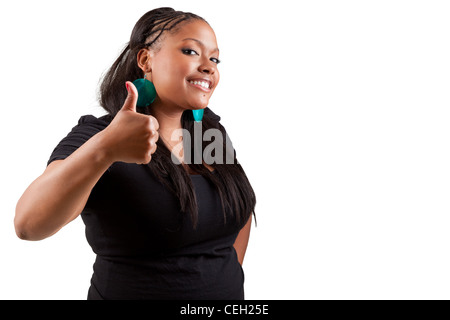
<point>146,92</point>
<point>198,115</point>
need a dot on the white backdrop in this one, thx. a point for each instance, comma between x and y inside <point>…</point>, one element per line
<point>339,112</point>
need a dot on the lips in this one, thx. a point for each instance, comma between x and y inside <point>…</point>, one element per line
<point>204,84</point>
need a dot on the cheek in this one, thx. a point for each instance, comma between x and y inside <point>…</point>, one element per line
<point>164,80</point>
<point>217,79</point>
<point>168,77</point>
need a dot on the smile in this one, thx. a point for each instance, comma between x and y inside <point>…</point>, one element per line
<point>202,84</point>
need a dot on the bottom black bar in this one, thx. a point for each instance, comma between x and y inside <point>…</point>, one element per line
<point>251,309</point>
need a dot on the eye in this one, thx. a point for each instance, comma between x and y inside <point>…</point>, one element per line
<point>189,52</point>
<point>215,60</point>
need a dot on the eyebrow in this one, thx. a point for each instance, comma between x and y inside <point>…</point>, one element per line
<point>199,42</point>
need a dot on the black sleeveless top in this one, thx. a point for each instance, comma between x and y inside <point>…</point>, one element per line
<point>146,248</point>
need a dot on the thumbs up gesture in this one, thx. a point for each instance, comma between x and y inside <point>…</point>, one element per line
<point>131,137</point>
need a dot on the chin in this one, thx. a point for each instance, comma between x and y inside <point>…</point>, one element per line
<point>196,105</point>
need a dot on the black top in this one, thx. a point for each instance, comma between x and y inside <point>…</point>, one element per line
<point>146,248</point>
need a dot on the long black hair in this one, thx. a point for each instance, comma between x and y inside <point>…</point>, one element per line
<point>229,179</point>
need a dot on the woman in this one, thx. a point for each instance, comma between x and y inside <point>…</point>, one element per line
<point>160,229</point>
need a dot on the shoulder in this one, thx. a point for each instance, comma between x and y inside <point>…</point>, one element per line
<point>92,121</point>
<point>212,120</point>
<point>210,114</point>
<point>88,125</point>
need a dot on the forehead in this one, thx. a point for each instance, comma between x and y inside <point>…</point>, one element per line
<point>196,29</point>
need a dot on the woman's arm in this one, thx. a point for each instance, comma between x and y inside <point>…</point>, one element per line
<point>240,245</point>
<point>59,195</point>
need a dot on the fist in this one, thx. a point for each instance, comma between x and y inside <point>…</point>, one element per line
<point>131,136</point>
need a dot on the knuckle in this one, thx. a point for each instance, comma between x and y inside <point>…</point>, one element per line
<point>154,123</point>
<point>147,121</point>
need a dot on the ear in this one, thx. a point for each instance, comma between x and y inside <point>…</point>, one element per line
<point>144,60</point>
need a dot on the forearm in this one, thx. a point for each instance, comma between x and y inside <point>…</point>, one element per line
<point>60,193</point>
<point>241,242</point>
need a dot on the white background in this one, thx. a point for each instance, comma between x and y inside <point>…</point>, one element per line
<point>339,112</point>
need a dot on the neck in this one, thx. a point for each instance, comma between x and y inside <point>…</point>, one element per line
<point>169,120</point>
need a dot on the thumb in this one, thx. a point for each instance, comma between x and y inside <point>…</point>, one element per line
<point>132,97</point>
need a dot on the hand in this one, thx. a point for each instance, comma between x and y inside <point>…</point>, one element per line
<point>131,137</point>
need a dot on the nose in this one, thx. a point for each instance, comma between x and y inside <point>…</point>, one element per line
<point>207,67</point>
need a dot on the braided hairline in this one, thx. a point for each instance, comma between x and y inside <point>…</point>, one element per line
<point>169,24</point>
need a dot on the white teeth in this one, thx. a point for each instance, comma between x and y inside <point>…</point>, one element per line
<point>201,83</point>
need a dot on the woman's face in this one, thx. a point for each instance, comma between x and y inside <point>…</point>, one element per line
<point>184,70</point>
